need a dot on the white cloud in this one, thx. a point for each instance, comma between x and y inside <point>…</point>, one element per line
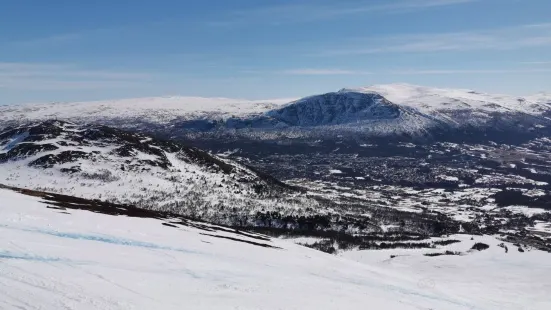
<point>41,76</point>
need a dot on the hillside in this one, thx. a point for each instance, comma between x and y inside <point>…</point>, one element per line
<point>98,162</point>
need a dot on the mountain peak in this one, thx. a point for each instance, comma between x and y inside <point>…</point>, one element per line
<point>336,108</point>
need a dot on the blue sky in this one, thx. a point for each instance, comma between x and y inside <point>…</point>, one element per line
<point>61,50</point>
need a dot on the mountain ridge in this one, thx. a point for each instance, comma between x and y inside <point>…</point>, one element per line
<point>373,111</point>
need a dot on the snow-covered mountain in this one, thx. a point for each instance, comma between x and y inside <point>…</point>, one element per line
<point>381,110</point>
<point>464,108</point>
<point>99,162</point>
<point>335,109</point>
<point>433,100</point>
<point>415,110</point>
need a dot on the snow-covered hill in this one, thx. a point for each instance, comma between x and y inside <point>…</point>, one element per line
<point>433,100</point>
<point>398,110</point>
<point>53,257</point>
<point>103,163</point>
<point>156,110</point>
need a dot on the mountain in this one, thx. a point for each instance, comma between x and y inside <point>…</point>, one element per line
<point>336,108</point>
<point>403,108</point>
<point>360,112</point>
<point>395,110</point>
<point>432,101</point>
<point>99,162</point>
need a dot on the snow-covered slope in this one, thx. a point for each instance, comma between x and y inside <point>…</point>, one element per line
<point>432,100</point>
<point>75,259</point>
<point>460,108</point>
<point>159,110</point>
<point>499,278</point>
<point>103,163</point>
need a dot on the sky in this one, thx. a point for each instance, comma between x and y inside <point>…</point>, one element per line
<point>63,50</point>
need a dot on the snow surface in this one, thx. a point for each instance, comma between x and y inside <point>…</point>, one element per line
<point>84,260</point>
<point>492,278</point>
<point>428,99</point>
<point>155,109</point>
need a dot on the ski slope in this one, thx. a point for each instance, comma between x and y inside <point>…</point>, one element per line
<point>75,259</point>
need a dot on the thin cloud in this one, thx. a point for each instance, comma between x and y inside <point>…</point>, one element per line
<point>49,40</point>
<point>466,71</point>
<point>40,76</point>
<point>322,72</point>
<point>535,63</point>
<point>72,37</point>
<point>308,12</point>
<point>408,71</point>
<point>47,84</point>
<point>508,38</point>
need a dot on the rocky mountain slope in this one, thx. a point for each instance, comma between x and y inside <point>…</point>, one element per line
<point>99,162</point>
<point>335,109</point>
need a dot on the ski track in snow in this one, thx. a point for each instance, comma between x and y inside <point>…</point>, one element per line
<point>98,238</point>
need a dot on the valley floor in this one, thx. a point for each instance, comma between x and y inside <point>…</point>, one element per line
<point>53,258</point>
